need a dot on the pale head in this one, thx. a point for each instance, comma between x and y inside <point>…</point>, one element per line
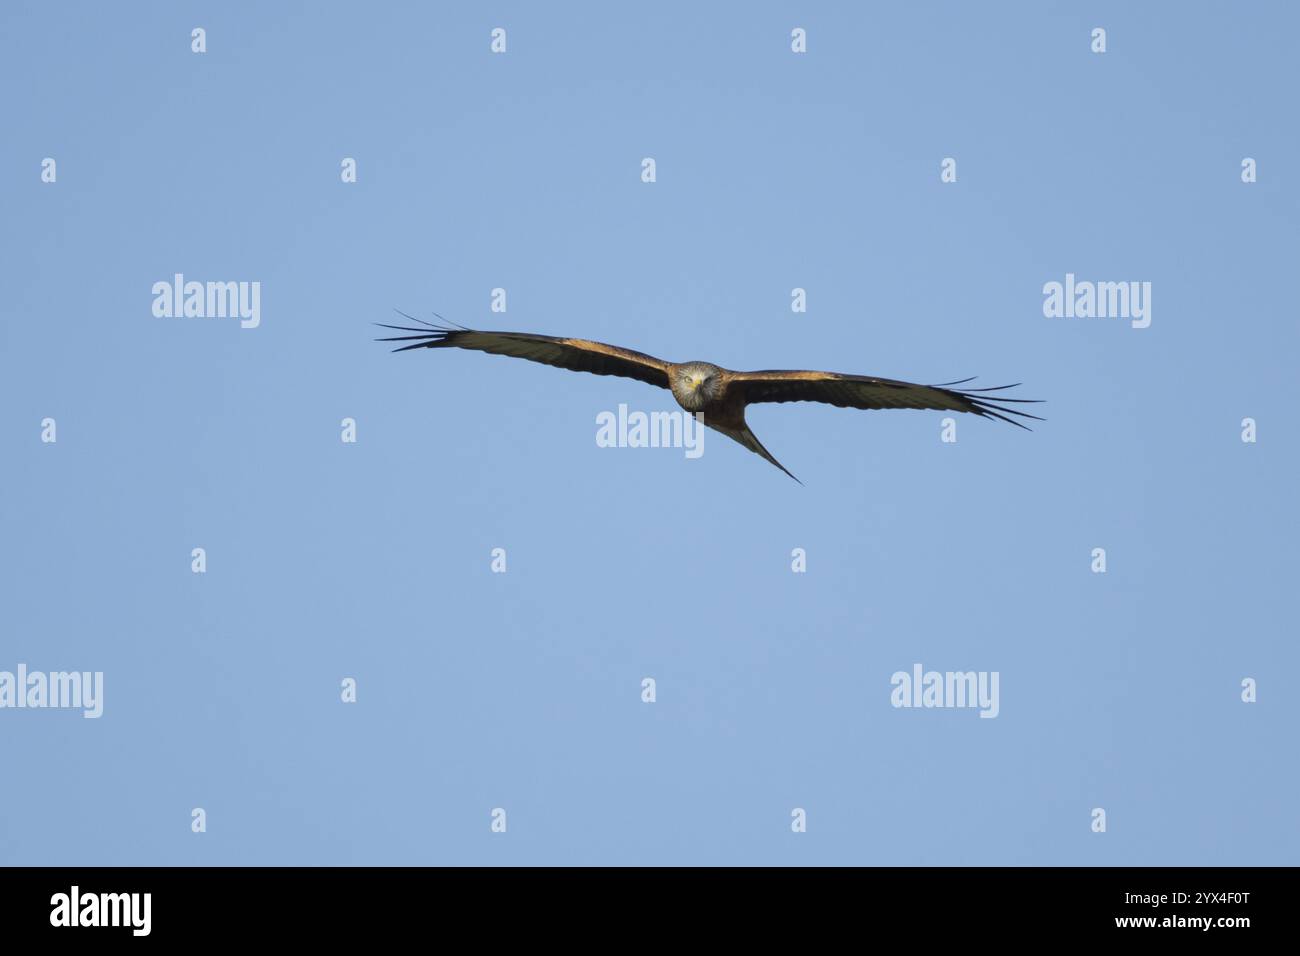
<point>696,384</point>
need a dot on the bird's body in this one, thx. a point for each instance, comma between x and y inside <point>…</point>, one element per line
<point>705,388</point>
<point>719,395</point>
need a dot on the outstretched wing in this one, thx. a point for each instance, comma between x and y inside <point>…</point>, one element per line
<point>578,355</point>
<point>861,391</point>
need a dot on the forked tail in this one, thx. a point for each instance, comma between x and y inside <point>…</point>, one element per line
<point>747,438</point>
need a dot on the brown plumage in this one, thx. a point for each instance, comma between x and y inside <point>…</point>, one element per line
<point>720,394</point>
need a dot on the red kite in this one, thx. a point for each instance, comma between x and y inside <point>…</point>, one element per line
<point>720,394</point>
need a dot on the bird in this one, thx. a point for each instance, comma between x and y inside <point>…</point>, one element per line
<point>719,395</point>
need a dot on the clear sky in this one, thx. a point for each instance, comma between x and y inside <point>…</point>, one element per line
<point>775,170</point>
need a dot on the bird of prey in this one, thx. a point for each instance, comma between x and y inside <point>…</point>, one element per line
<point>720,394</point>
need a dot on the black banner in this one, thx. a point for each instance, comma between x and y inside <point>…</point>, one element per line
<point>206,905</point>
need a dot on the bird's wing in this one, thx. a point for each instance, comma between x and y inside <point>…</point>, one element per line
<point>861,391</point>
<point>578,355</point>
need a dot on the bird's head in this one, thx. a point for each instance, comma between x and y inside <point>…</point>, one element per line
<point>695,384</point>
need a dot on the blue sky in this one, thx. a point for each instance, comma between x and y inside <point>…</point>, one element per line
<point>371,560</point>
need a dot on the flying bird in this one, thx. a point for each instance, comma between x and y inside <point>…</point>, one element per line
<point>720,394</point>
